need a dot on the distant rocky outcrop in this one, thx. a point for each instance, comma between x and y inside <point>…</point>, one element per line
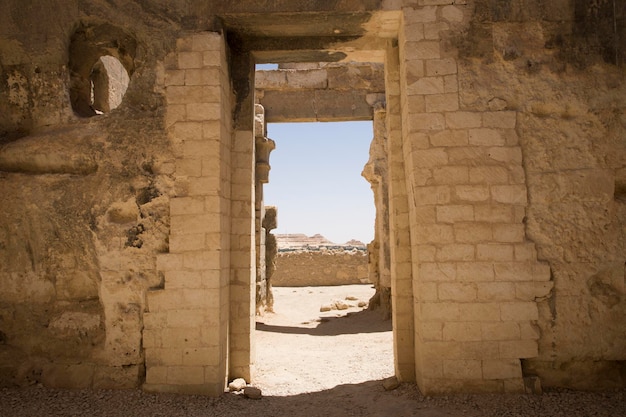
<point>300,241</point>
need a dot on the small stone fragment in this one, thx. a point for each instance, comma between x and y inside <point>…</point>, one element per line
<point>252,393</point>
<point>362,303</point>
<point>391,383</point>
<point>351,298</point>
<point>326,307</point>
<point>237,385</point>
<point>340,305</point>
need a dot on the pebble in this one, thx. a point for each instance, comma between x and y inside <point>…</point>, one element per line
<point>237,385</point>
<point>252,392</point>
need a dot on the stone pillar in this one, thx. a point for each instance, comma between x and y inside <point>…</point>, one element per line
<point>399,232</point>
<point>263,147</point>
<point>476,275</point>
<point>271,251</point>
<point>186,323</point>
<point>376,173</point>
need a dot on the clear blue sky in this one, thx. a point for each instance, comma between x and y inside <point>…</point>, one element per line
<point>316,182</point>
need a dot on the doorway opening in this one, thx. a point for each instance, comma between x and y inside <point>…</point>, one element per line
<point>321,333</point>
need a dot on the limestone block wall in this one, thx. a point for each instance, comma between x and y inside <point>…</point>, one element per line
<point>475,273</point>
<point>186,321</point>
<point>324,267</point>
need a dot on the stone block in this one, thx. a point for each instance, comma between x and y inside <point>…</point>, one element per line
<point>455,213</point>
<point>156,375</point>
<point>436,233</point>
<point>473,232</point>
<point>440,67</point>
<point>509,233</point>
<point>185,318</point>
<point>200,356</point>
<point>463,120</point>
<point>203,77</point>
<point>193,224</point>
<point>506,154</point>
<point>187,131</point>
<point>533,290</point>
<point>455,252</point>
<point>442,102</point>
<point>450,84</point>
<point>432,30</point>
<point>309,79</point>
<point>169,262</point>
<point>183,243</point>
<point>204,186</point>
<point>452,291</point>
<point>462,369</point>
<point>462,332</point>
<point>206,41</point>
<point>442,311</point>
<point>489,175</point>
<point>213,58</point>
<point>426,291</point>
<point>420,15</point>
<point>185,337</point>
<point>431,195</point>
<point>174,77</point>
<point>501,369</point>
<point>472,193</point>
<point>449,138</point>
<point>154,320</point>
<point>202,260</point>
<point>519,349</point>
<point>157,357</point>
<point>509,194</point>
<point>451,175</point>
<point>513,271</point>
<point>494,252</point>
<point>190,60</point>
<point>452,14</point>
<point>427,86</point>
<point>525,252</point>
<point>480,311</point>
<point>204,111</point>
<point>428,158</point>
<point>185,375</point>
<point>493,213</point>
<point>440,271</point>
<point>519,311</point>
<point>500,119</point>
<point>475,271</point>
<point>508,330</point>
<point>486,137</point>
<point>432,331</point>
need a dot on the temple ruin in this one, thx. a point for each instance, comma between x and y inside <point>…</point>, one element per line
<point>134,241</point>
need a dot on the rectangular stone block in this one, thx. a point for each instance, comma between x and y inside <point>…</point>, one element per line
<point>496,291</point>
<point>169,262</point>
<point>200,356</point>
<point>204,111</point>
<point>449,138</point>
<point>494,252</point>
<point>154,320</point>
<point>500,119</point>
<point>519,311</point>
<point>493,213</point>
<point>519,349</point>
<point>472,193</point>
<point>449,291</point>
<point>202,260</point>
<point>472,232</point>
<point>203,76</point>
<point>185,337</point>
<point>475,271</point>
<point>455,252</point>
<point>513,271</point>
<point>489,175</point>
<point>156,375</point>
<point>427,86</point>
<point>435,233</point>
<point>185,375</point>
<point>189,60</point>
<point>443,311</point>
<point>463,120</point>
<point>462,332</point>
<point>192,94</point>
<point>206,41</point>
<point>432,331</point>
<point>486,137</point>
<point>432,30</point>
<point>439,67</point>
<point>183,243</point>
<point>533,290</point>
<point>500,331</point>
<point>442,103</point>
<point>506,154</point>
<point>462,369</point>
<point>501,369</point>
<point>508,233</point>
<point>509,194</point>
<point>436,272</point>
<point>480,311</point>
<point>163,357</point>
<point>455,213</point>
<point>183,279</point>
<point>525,252</point>
<point>431,195</point>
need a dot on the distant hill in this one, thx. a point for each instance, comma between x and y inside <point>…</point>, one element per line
<point>300,240</point>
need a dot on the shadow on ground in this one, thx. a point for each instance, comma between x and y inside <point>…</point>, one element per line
<point>365,321</point>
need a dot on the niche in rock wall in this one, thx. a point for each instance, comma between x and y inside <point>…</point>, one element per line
<point>101,63</point>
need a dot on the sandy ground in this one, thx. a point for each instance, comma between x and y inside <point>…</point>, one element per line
<point>313,364</point>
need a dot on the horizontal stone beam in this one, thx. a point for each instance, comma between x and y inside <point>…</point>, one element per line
<point>331,93</point>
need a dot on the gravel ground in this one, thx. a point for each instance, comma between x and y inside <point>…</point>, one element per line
<point>314,364</point>
<point>366,399</point>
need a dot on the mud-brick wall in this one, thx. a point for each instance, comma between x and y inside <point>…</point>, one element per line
<point>325,267</point>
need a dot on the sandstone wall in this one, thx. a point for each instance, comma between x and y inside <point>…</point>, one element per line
<point>303,268</point>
